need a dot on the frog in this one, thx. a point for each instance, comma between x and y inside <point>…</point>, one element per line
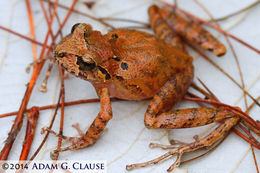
<point>135,65</point>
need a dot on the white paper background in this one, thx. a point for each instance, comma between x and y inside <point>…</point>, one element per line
<point>126,139</point>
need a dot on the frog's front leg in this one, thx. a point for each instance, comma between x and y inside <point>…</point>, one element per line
<point>158,116</point>
<point>96,128</point>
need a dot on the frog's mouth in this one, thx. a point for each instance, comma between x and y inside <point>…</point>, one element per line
<point>76,66</point>
<point>68,62</point>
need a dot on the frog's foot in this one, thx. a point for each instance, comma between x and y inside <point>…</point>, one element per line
<point>94,131</point>
<point>179,151</point>
<point>77,142</point>
<point>175,142</point>
<point>76,126</point>
<point>173,145</point>
<point>165,147</point>
<point>48,57</point>
<point>43,87</point>
<point>204,142</point>
<point>73,140</point>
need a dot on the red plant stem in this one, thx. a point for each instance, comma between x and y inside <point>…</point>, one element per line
<point>47,134</point>
<point>62,90</point>
<point>55,105</point>
<point>248,133</point>
<point>30,131</point>
<point>246,138</point>
<point>212,95</point>
<point>84,14</point>
<point>32,29</point>
<point>46,18</point>
<point>19,118</point>
<point>22,36</point>
<point>253,153</point>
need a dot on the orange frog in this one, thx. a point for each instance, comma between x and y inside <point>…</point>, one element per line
<point>135,65</point>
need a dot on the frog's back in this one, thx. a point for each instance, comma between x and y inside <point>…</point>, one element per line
<point>145,64</point>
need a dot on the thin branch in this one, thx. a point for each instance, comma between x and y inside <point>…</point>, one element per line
<point>30,131</point>
<point>62,90</point>
<point>32,28</point>
<point>86,15</point>
<point>50,126</point>
<point>254,4</point>
<point>52,106</point>
<point>22,36</point>
<point>18,120</point>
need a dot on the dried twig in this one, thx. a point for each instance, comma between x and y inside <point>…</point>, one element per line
<point>30,131</point>
<point>254,4</point>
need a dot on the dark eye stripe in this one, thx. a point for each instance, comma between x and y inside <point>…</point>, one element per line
<point>84,65</point>
<point>104,72</point>
<point>86,40</point>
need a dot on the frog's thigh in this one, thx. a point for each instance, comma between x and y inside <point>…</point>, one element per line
<point>168,95</point>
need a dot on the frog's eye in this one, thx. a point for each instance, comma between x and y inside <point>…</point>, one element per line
<point>74,27</point>
<point>59,54</point>
<point>85,65</point>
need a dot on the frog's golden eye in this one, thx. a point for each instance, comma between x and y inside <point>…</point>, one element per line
<point>74,27</point>
<point>60,54</point>
<point>84,65</point>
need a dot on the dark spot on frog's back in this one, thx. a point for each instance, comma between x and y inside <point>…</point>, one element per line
<point>114,37</point>
<point>124,66</point>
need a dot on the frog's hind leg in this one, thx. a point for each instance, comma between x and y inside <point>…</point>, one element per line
<point>190,30</point>
<point>159,116</point>
<point>94,131</point>
<point>163,31</point>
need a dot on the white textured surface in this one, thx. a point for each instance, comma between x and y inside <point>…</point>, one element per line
<point>126,140</point>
